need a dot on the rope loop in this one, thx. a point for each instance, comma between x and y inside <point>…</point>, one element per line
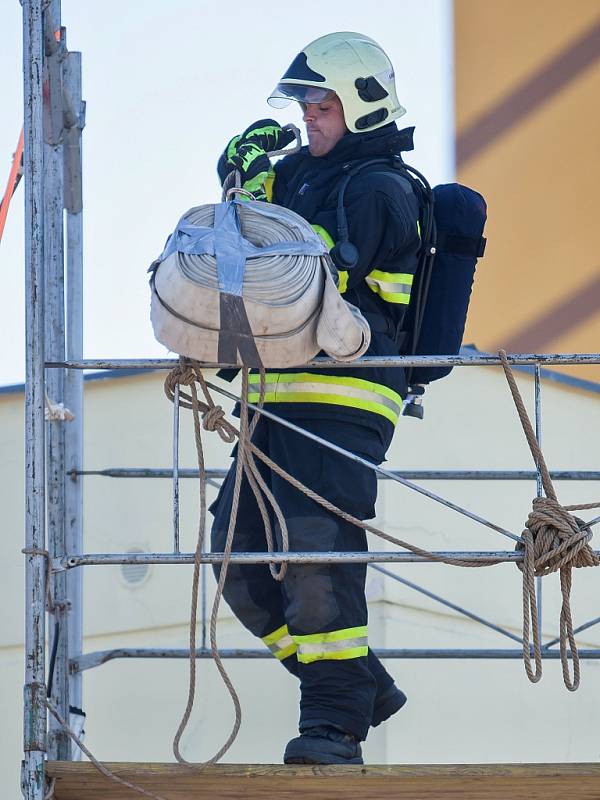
<point>554,540</point>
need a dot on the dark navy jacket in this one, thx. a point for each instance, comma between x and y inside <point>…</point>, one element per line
<point>383,224</point>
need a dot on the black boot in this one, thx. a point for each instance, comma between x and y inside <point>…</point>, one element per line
<point>323,744</point>
<point>387,704</point>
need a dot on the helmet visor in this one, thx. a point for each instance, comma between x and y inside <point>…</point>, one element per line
<point>283,94</point>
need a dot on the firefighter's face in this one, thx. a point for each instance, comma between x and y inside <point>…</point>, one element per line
<point>325,125</point>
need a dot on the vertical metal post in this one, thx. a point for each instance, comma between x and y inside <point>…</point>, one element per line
<point>75,121</point>
<point>176,469</point>
<point>58,741</point>
<point>203,589</point>
<point>540,488</point>
<point>34,718</point>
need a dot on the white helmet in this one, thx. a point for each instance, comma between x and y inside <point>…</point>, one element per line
<point>351,65</point>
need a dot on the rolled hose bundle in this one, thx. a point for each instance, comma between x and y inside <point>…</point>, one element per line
<point>250,283</point>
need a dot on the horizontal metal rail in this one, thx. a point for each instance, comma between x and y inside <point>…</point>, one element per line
<point>410,474</point>
<point>480,359</point>
<point>580,628</point>
<point>438,599</point>
<point>305,557</point>
<point>96,659</point>
<point>378,470</point>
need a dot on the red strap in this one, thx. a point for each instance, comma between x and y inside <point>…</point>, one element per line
<point>13,181</point>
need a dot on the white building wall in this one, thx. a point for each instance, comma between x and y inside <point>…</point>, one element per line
<point>458,711</point>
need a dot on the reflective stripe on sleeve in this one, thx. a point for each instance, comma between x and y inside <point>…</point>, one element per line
<point>280,643</point>
<point>324,234</point>
<point>269,185</point>
<point>343,284</point>
<point>327,238</point>
<point>332,646</point>
<point>305,387</point>
<point>393,287</point>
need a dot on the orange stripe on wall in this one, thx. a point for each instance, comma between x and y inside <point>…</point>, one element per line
<point>546,82</point>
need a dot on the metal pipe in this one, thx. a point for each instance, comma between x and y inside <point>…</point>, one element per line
<point>583,627</point>
<point>539,484</point>
<point>204,603</point>
<point>96,659</point>
<point>300,557</point>
<point>478,360</point>
<point>447,603</point>
<point>378,470</point>
<point>34,717</point>
<point>415,474</point>
<point>176,469</point>
<point>74,378</point>
<point>54,316</point>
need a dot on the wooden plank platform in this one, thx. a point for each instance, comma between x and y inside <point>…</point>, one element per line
<point>81,781</point>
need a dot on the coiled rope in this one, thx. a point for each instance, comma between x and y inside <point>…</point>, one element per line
<point>553,540</point>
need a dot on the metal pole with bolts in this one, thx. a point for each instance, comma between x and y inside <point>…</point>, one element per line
<point>54,319</point>
<point>74,109</point>
<point>34,718</point>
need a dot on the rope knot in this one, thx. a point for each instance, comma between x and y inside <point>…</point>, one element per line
<point>213,419</point>
<point>557,538</point>
<point>183,375</point>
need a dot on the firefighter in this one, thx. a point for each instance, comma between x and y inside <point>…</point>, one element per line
<point>315,621</point>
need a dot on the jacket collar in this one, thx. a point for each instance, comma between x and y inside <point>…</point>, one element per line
<point>387,140</point>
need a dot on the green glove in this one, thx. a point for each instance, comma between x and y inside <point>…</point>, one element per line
<point>268,134</point>
<point>247,153</point>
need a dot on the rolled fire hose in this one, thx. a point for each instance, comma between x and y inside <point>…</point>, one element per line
<point>250,283</point>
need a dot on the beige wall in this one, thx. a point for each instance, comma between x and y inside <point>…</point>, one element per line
<point>458,711</point>
<point>538,287</point>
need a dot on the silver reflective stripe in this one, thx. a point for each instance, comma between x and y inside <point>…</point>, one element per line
<point>282,388</point>
<point>281,644</point>
<point>392,288</point>
<point>306,648</point>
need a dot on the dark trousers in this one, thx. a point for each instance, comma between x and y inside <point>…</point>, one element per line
<point>314,598</point>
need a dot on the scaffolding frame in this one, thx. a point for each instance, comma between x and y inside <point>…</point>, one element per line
<point>54,119</point>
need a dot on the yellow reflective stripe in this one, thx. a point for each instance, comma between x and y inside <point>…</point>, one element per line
<point>304,387</point>
<point>392,277</point>
<point>343,284</point>
<point>340,655</point>
<point>390,297</point>
<point>393,287</point>
<point>272,638</point>
<point>324,234</point>
<point>331,636</point>
<point>280,643</point>
<point>333,645</point>
<point>306,377</point>
<point>269,181</point>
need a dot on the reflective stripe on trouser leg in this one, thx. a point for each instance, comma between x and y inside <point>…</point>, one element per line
<point>280,643</point>
<point>306,387</point>
<point>332,646</point>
